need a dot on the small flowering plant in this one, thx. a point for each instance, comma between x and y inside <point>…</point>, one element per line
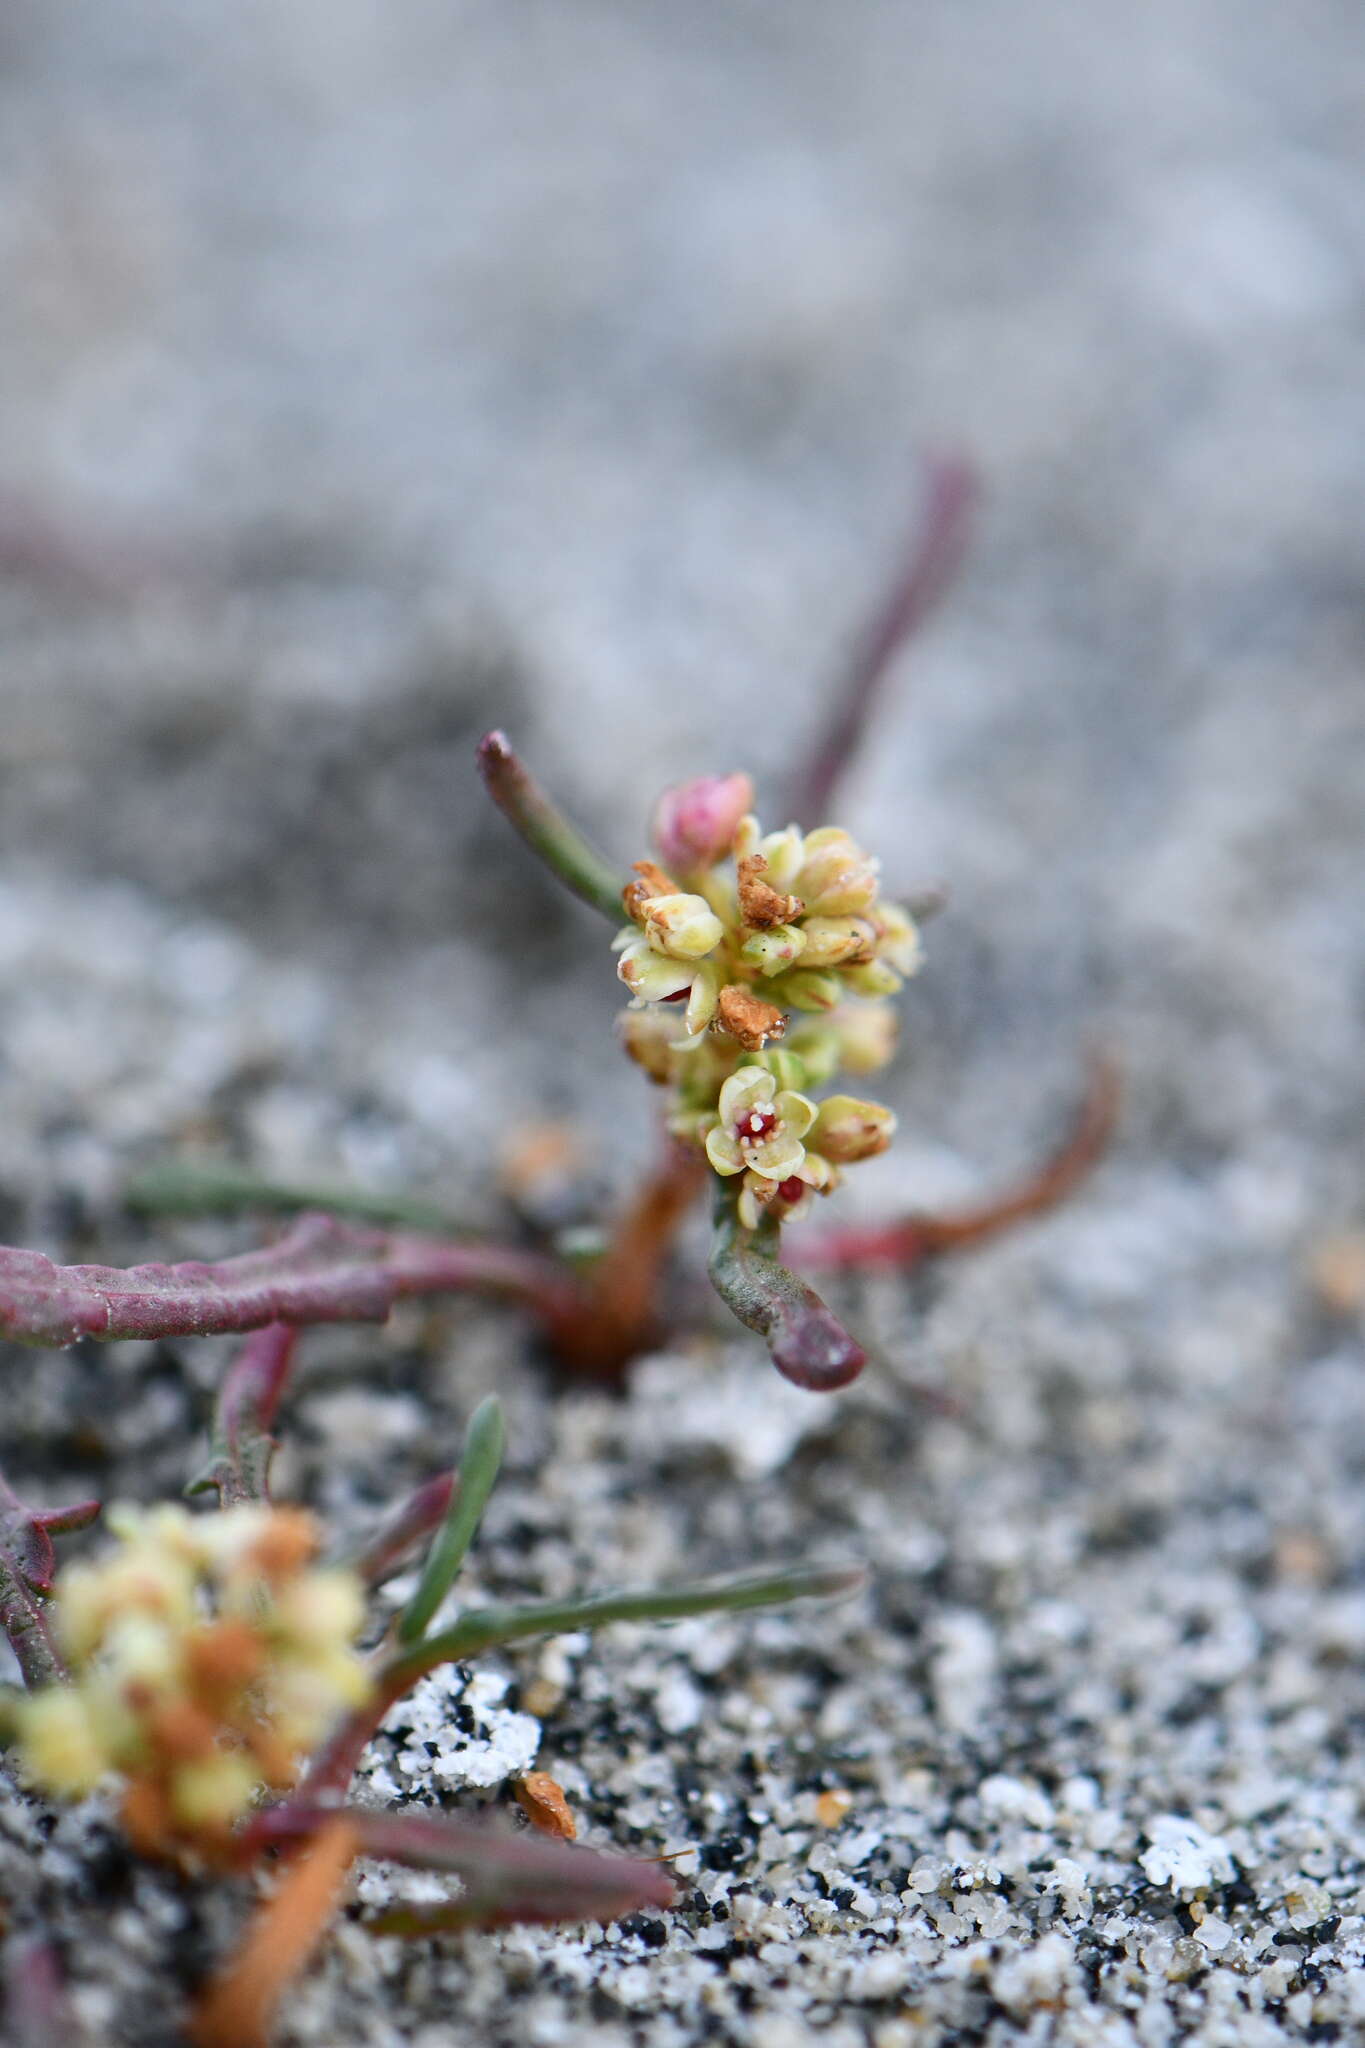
<point>748,932</point>
<point>759,967</point>
<point>208,1654</point>
<point>206,1669</point>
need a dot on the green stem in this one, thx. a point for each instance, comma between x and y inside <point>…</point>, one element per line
<point>546,830</point>
<point>485,1628</point>
<point>809,1346</point>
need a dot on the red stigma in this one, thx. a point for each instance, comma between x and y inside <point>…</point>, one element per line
<point>755,1125</point>
<point>791,1189</point>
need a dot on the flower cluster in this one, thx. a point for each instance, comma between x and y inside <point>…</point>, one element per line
<point>208,1654</point>
<point>733,931</point>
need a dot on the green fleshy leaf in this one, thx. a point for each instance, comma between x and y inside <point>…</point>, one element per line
<point>485,1441</point>
<point>484,1628</point>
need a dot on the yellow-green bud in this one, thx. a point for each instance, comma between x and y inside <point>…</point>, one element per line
<point>873,978</point>
<point>832,940</point>
<point>805,990</point>
<point>649,975</point>
<point>818,1047</point>
<point>60,1745</point>
<point>682,927</point>
<point>866,1036</point>
<point>836,879</point>
<point>847,1129</point>
<point>774,951</point>
<point>898,940</point>
<point>213,1793</point>
<point>783,851</point>
<point>786,1068</point>
<point>701,1003</point>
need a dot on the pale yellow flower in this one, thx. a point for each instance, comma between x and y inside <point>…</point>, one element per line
<point>767,938</point>
<point>212,1794</point>
<point>830,941</point>
<point>760,1127</point>
<point>647,1035</point>
<point>651,976</point>
<point>207,1653</point>
<point>789,1196</point>
<point>60,1742</point>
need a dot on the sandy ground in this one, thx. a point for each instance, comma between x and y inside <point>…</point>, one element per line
<point>369,376</point>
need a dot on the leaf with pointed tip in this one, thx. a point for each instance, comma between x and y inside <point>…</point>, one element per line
<point>507,1878</point>
<point>485,1441</point>
<point>484,1628</point>
<point>393,1542</point>
<point>545,829</point>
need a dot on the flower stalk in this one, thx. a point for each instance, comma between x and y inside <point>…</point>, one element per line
<point>806,1341</point>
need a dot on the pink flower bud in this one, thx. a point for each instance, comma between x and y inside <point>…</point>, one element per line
<point>695,823</point>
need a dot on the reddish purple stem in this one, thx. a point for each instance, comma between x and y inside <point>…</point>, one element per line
<point>38,2009</point>
<point>519,1877</point>
<point>251,1393</point>
<point>319,1271</point>
<point>419,1516</point>
<point>242,1447</point>
<point>28,1566</point>
<point>929,568</point>
<point>908,1240</point>
<point>49,550</point>
<point>806,1341</point>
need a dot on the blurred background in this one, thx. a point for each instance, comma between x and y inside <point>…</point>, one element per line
<point>370,375</point>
